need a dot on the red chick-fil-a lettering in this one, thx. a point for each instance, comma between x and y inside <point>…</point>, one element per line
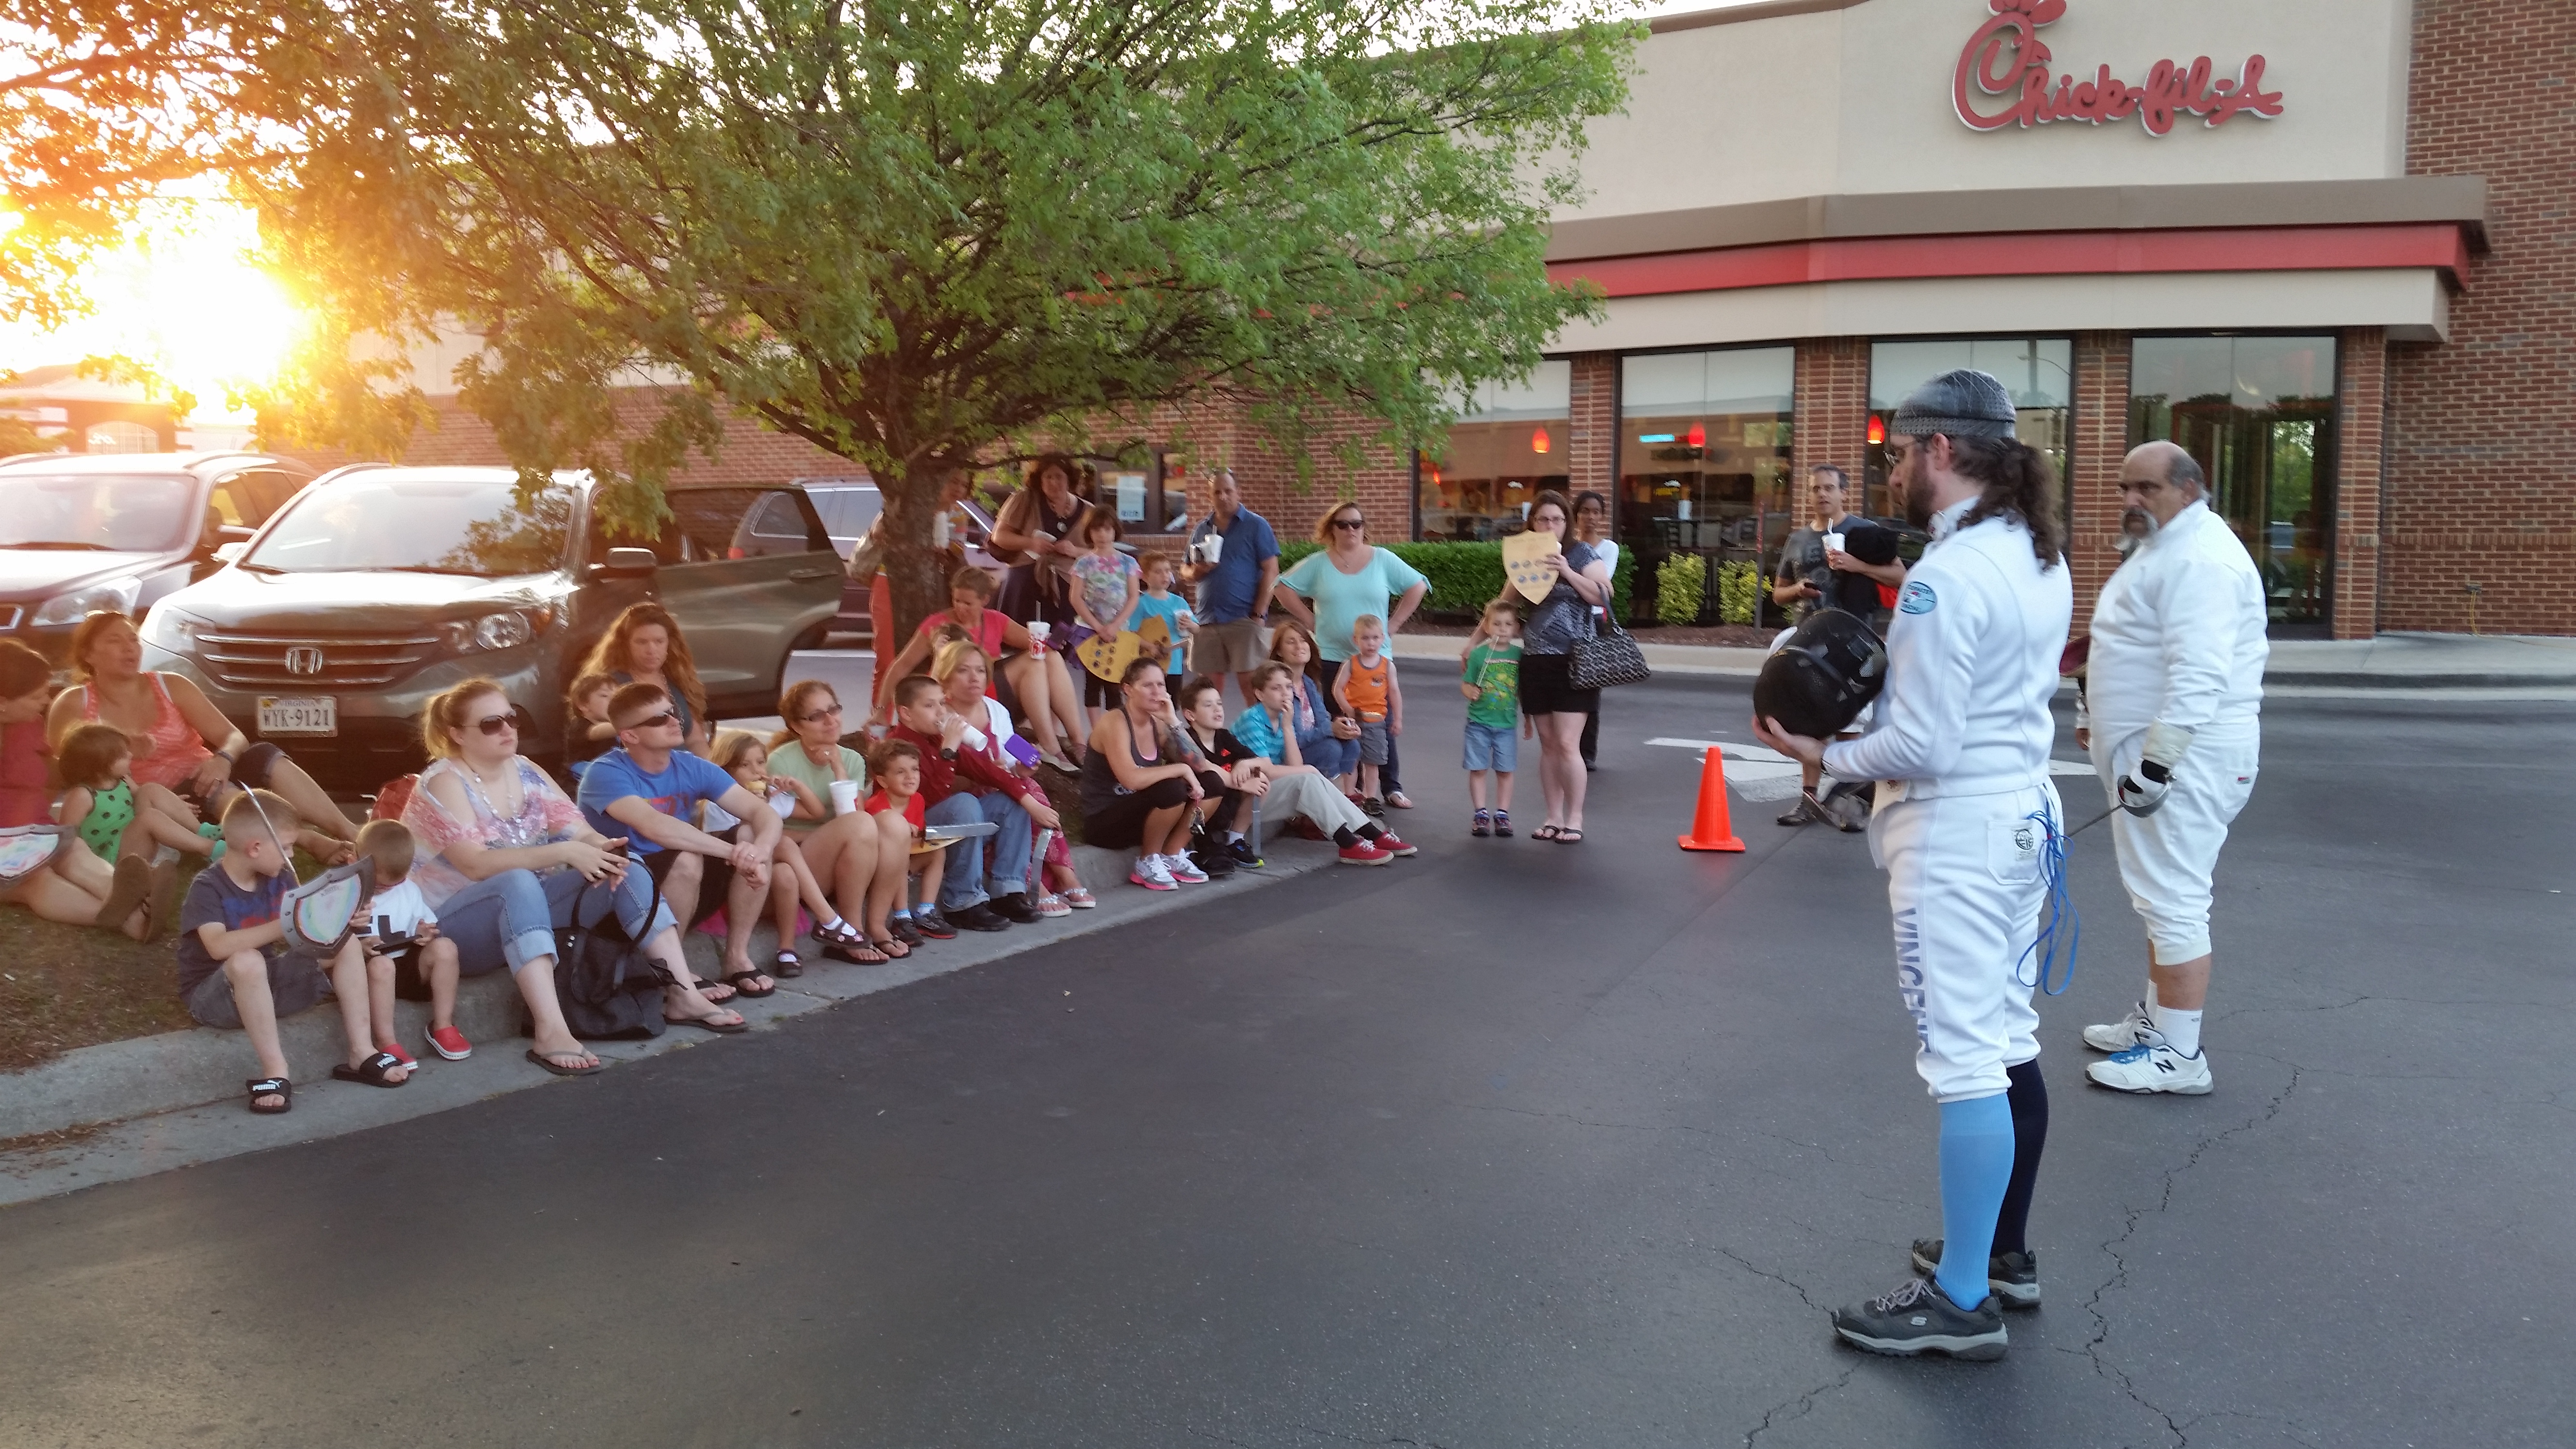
<point>2006,57</point>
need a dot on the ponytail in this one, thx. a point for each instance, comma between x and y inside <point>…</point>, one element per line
<point>2018,483</point>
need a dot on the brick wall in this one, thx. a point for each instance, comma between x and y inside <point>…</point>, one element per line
<point>2101,428</point>
<point>2480,430</point>
<point>1592,452</point>
<point>1831,399</point>
<point>2361,409</point>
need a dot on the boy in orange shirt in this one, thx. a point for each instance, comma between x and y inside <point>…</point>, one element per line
<point>1367,691</point>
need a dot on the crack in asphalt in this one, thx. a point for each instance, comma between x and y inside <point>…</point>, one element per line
<point>2093,1346</point>
<point>1804,1403</point>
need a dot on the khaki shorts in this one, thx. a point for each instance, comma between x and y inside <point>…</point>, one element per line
<point>1232,648</point>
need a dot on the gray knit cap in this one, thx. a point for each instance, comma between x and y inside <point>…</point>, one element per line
<point>1960,403</point>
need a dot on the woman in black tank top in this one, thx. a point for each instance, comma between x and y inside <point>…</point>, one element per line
<point>1136,800</point>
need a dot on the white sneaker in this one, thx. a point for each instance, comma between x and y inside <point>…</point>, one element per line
<point>2119,1036</point>
<point>2153,1066</point>
<point>1184,870</point>
<point>1148,872</point>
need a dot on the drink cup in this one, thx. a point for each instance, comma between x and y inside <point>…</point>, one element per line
<point>845,797</point>
<point>1211,548</point>
<point>782,801</point>
<point>1039,629</point>
<point>973,738</point>
<point>1833,543</point>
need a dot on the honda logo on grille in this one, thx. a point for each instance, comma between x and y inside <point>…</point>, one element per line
<point>303,659</point>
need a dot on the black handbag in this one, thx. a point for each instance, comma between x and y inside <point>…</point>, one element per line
<point>1607,659</point>
<point>610,990</point>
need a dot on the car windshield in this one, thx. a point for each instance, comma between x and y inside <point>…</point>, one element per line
<point>417,525</point>
<point>124,512</point>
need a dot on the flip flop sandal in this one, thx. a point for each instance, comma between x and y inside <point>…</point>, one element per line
<point>1081,898</point>
<point>850,954</point>
<point>720,1028</point>
<point>1544,832</point>
<point>559,1069</point>
<point>371,1071</point>
<point>894,949</point>
<point>1398,800</point>
<point>740,981</point>
<point>786,966</point>
<point>707,984</point>
<point>129,892</point>
<point>277,1087</point>
<point>1567,835</point>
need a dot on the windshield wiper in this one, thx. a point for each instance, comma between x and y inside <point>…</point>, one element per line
<point>58,543</point>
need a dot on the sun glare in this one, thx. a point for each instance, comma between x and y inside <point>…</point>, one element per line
<point>183,297</point>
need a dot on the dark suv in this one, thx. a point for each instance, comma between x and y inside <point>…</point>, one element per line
<point>377,587</point>
<point>121,531</point>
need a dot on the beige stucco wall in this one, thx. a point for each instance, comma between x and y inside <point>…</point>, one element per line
<point>1858,100</point>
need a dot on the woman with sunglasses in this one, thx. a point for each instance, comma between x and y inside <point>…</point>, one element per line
<point>504,856</point>
<point>858,858</point>
<point>1329,589</point>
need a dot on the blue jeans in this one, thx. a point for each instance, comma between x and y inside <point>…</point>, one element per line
<point>963,884</point>
<point>1336,757</point>
<point>509,919</point>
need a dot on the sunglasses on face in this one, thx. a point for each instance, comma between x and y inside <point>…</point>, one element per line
<point>1350,523</point>
<point>829,711</point>
<point>493,724</point>
<point>653,721</point>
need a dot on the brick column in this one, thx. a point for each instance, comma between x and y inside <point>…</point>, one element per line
<point>1831,398</point>
<point>2361,410</point>
<point>1592,447</point>
<point>2101,439</point>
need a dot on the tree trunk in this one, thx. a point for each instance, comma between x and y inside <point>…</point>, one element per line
<point>916,572</point>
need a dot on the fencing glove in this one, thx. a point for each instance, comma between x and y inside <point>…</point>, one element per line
<point>2143,790</point>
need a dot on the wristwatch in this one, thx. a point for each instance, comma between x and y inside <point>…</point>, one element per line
<point>948,752</point>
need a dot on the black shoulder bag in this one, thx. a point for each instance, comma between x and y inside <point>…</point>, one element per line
<point>609,988</point>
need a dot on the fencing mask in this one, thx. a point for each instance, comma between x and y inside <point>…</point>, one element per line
<point>1818,682</point>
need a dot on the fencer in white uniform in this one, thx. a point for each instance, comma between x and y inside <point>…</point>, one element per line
<point>2172,715</point>
<point>1964,824</point>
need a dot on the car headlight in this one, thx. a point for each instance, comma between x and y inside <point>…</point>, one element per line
<point>117,594</point>
<point>167,629</point>
<point>507,629</point>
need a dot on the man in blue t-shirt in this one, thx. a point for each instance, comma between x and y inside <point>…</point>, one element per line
<point>647,791</point>
<point>1234,589</point>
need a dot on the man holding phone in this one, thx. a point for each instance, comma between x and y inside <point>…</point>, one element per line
<point>1234,559</point>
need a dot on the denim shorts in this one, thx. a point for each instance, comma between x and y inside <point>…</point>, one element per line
<point>1492,747</point>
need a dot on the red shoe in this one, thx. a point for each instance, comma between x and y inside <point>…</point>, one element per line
<point>397,1053</point>
<point>450,1043</point>
<point>1361,852</point>
<point>1387,842</point>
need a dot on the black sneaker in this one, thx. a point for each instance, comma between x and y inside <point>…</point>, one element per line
<point>1244,853</point>
<point>2012,1277</point>
<point>1918,1318</point>
<point>1213,863</point>
<point>928,921</point>
<point>900,927</point>
<point>979,917</point>
<point>1015,909</point>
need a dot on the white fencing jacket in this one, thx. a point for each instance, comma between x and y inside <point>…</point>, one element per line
<point>2178,633</point>
<point>1972,666</point>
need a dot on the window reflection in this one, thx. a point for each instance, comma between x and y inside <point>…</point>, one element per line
<point>2257,414</point>
<point>2039,372</point>
<point>1704,441</point>
<point>1510,441</point>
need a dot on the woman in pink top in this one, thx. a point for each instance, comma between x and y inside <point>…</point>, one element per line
<point>183,745</point>
<point>78,888</point>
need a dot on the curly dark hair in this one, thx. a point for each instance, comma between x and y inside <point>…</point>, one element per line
<point>2018,483</point>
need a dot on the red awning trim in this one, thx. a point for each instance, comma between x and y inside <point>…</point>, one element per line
<point>2030,254</point>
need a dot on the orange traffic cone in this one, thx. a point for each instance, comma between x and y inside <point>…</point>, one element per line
<point>1711,830</point>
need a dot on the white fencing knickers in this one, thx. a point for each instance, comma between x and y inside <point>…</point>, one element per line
<point>1964,883</point>
<point>2167,859</point>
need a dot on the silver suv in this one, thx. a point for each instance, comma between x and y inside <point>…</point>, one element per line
<point>378,586</point>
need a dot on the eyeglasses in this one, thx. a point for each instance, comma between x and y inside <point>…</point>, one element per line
<point>1896,455</point>
<point>493,724</point>
<point>655,721</point>
<point>829,711</point>
<point>1350,523</point>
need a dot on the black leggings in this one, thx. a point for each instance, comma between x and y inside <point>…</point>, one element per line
<point>1120,824</point>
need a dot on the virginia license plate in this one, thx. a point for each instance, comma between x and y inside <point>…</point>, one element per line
<point>302,715</point>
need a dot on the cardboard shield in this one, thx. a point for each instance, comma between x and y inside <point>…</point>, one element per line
<point>320,915</point>
<point>1525,563</point>
<point>1109,657</point>
<point>27,849</point>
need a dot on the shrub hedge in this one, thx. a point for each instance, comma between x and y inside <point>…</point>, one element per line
<point>1463,575</point>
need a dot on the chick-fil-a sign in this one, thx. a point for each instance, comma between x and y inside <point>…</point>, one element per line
<point>2006,58</point>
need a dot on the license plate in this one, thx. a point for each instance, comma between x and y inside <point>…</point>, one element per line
<point>302,715</point>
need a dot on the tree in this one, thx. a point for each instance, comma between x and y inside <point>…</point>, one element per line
<point>921,234</point>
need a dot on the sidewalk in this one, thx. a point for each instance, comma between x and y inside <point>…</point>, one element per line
<point>2526,665</point>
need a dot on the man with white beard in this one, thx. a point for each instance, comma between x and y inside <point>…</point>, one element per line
<point>2171,714</point>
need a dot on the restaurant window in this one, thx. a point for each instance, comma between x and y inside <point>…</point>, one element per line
<point>1703,450</point>
<point>2258,415</point>
<point>2039,372</point>
<point>1511,440</point>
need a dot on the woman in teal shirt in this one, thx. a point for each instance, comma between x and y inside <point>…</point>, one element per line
<point>1344,579</point>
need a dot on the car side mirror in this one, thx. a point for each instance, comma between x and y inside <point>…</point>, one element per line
<point>231,552</point>
<point>628,563</point>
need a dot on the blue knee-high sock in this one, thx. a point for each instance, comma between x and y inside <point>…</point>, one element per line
<point>1976,1165</point>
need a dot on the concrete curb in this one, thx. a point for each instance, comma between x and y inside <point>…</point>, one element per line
<point>203,1068</point>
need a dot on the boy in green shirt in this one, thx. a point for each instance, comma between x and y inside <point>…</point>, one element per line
<point>1492,684</point>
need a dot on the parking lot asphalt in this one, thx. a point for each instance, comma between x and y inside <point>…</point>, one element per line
<point>1508,1144</point>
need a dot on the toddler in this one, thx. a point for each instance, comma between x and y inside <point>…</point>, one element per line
<point>1367,691</point>
<point>235,972</point>
<point>404,931</point>
<point>1159,602</point>
<point>896,767</point>
<point>588,734</point>
<point>741,754</point>
<point>1492,684</point>
<point>96,763</point>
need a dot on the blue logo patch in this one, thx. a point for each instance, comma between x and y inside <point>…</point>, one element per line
<point>1916,598</point>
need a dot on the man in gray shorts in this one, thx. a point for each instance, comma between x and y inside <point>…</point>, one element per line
<point>1234,588</point>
